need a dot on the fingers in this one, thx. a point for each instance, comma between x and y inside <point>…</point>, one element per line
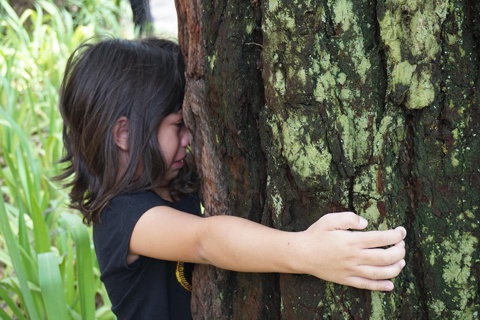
<point>375,278</point>
<point>343,221</point>
<point>383,257</point>
<point>383,272</point>
<point>374,285</point>
<point>375,239</point>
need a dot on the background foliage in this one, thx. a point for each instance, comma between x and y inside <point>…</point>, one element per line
<point>48,267</point>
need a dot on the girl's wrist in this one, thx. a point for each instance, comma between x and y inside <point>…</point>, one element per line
<point>299,259</point>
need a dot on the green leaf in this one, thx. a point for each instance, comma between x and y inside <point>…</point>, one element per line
<point>51,286</point>
<point>17,262</point>
<point>84,263</point>
<point>4,295</point>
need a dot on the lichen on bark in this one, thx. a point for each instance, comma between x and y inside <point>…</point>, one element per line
<point>309,107</point>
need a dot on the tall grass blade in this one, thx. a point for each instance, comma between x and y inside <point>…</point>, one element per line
<point>3,314</point>
<point>25,173</point>
<point>65,246</point>
<point>51,286</point>
<point>14,21</point>
<point>17,262</point>
<point>17,312</point>
<point>86,283</point>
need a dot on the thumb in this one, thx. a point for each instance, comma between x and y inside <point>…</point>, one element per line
<point>343,221</point>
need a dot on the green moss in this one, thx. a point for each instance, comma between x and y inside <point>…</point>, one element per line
<point>272,5</point>
<point>272,121</point>
<point>325,74</point>
<point>211,61</point>
<point>378,310</point>
<point>331,308</point>
<point>362,64</point>
<point>277,200</point>
<point>424,29</point>
<point>341,78</point>
<point>285,20</point>
<point>422,91</point>
<point>348,23</point>
<point>455,152</point>
<point>307,158</point>
<point>355,135</point>
<point>365,186</point>
<point>343,13</point>
<point>452,39</point>
<point>325,87</point>
<point>455,134</point>
<point>299,74</point>
<point>469,213</point>
<point>346,94</point>
<point>458,251</point>
<point>411,29</point>
<point>453,159</point>
<point>454,258</point>
<point>458,258</point>
<point>363,138</point>
<point>372,213</point>
<point>381,135</point>
<point>279,82</point>
<point>402,73</point>
<point>437,306</point>
<point>409,5</point>
<point>348,135</point>
<point>391,32</point>
<point>250,27</point>
<point>418,34</point>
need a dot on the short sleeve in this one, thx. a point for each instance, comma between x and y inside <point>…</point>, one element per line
<point>147,288</point>
<point>112,235</point>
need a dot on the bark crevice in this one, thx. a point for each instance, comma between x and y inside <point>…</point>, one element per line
<point>414,233</point>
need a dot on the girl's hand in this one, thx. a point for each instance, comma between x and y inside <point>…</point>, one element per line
<point>353,258</point>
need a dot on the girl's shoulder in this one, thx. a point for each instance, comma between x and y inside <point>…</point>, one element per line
<point>138,202</point>
<point>134,196</point>
<point>128,206</point>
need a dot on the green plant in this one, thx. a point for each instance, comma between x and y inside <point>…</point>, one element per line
<point>48,267</point>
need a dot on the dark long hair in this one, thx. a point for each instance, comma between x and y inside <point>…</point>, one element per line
<point>142,80</point>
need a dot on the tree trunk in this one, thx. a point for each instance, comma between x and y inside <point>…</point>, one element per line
<point>302,109</point>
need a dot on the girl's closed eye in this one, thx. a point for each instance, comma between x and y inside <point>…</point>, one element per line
<point>180,124</point>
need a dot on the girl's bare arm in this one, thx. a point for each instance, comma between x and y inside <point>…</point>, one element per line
<point>326,249</point>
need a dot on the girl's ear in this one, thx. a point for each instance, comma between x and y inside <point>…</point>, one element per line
<point>120,133</point>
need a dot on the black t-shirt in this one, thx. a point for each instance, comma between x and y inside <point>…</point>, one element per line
<point>148,288</point>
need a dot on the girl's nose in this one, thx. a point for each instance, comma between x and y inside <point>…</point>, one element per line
<point>186,136</point>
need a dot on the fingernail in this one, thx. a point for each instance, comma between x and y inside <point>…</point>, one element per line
<point>403,263</point>
<point>363,222</point>
<point>404,231</point>
<point>389,287</point>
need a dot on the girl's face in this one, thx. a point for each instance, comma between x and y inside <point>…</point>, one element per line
<point>173,138</point>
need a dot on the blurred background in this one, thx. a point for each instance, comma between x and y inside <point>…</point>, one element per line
<point>48,268</point>
<point>164,16</point>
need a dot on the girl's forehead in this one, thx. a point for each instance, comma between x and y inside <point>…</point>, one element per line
<point>174,116</point>
<point>178,114</point>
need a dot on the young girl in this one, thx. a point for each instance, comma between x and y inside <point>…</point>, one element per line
<point>128,166</point>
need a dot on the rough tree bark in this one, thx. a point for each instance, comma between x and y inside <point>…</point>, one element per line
<point>299,108</point>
